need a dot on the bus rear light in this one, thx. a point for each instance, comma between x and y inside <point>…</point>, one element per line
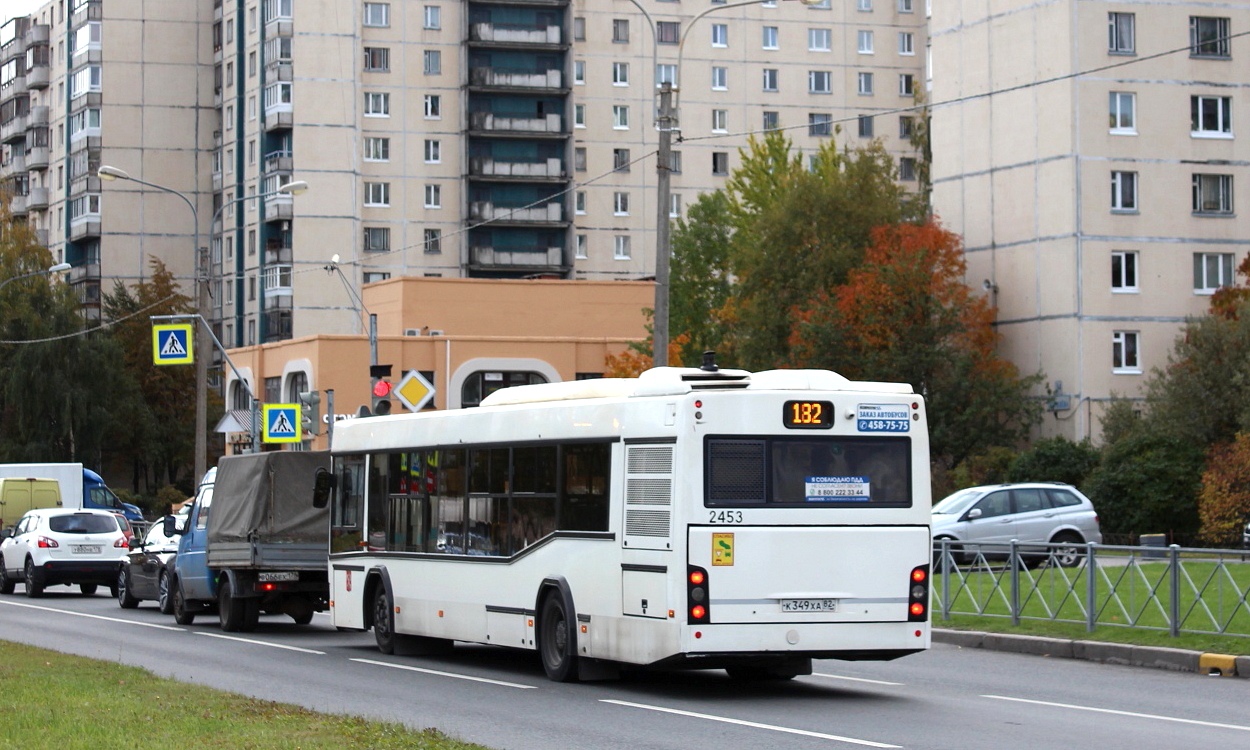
<point>916,610</point>
<point>697,598</point>
<point>918,595</point>
<point>697,577</point>
<point>698,612</point>
<point>919,575</point>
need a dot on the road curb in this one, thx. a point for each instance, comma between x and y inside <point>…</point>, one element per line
<point>1154,657</point>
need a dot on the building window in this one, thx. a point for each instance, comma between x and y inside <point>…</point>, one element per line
<point>904,6</point>
<point>377,239</point>
<point>433,196</point>
<point>674,205</point>
<point>620,159</point>
<point>906,45</point>
<point>579,202</point>
<point>769,37</point>
<point>1124,271</point>
<point>1121,33</point>
<point>620,117</point>
<point>906,84</point>
<point>251,65</point>
<point>377,149</point>
<point>665,73</point>
<point>433,107</point>
<point>1213,194</point>
<point>865,84</point>
<point>580,246</point>
<point>1208,37</point>
<point>372,276</point>
<point>907,169</point>
<point>906,127</point>
<point>620,204</point>
<point>433,60</point>
<point>579,115</point>
<point>377,59</point>
<point>1211,116</point>
<point>1123,112</point>
<point>579,72</point>
<point>770,79</point>
<point>819,124</point>
<point>433,17</point>
<point>720,35</point>
<point>433,239</point>
<point>620,247</point>
<point>377,14</point>
<point>865,126</point>
<point>1124,352</point>
<point>720,163</point>
<point>579,159</point>
<point>377,194</point>
<point>377,104</point>
<point>720,78</point>
<point>433,151</point>
<point>864,6</point>
<point>720,120</point>
<point>1123,191</point>
<point>674,162</point>
<point>1212,271</point>
<point>579,29</point>
<point>620,30</point>
<point>668,32</point>
<point>865,42</point>
<point>772,120</point>
<point>819,82</point>
<point>620,74</point>
<point>819,40</point>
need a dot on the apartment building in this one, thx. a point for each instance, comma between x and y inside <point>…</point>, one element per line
<point>490,139</point>
<point>1088,154</point>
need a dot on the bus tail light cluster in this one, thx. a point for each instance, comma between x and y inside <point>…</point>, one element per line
<point>918,596</point>
<point>698,609</point>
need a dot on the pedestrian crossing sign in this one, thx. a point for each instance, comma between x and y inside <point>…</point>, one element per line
<point>172,344</point>
<point>281,423</point>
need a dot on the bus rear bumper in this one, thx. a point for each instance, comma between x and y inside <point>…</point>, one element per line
<point>852,641</point>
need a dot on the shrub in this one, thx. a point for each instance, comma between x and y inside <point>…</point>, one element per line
<point>1224,500</point>
<point>1055,460</point>
<point>1147,483</point>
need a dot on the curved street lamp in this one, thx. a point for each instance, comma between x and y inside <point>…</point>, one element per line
<point>58,268</point>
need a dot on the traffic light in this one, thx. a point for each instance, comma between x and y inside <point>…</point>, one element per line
<point>310,411</point>
<point>380,389</point>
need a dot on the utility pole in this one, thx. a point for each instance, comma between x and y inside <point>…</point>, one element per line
<point>663,252</point>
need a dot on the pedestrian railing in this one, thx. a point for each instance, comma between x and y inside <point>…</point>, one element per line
<point>1177,589</point>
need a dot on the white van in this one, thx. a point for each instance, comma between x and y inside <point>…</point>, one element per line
<point>21,494</point>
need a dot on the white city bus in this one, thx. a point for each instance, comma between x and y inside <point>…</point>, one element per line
<point>687,518</point>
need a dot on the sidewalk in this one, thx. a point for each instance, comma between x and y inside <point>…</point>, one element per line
<point>1175,659</point>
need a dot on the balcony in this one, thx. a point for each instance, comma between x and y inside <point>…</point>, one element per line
<point>38,199</point>
<point>551,213</point>
<point>487,167</point>
<point>279,71</point>
<point>279,120</point>
<point>38,76</point>
<point>217,182</point>
<point>17,205</point>
<point>37,118</point>
<point>15,165</point>
<point>487,123</point>
<point>41,237</point>
<point>37,158</point>
<point>91,11</point>
<point>14,129</point>
<point>38,33</point>
<point>518,259</point>
<point>279,208</point>
<point>515,80</point>
<point>86,227</point>
<point>511,35</point>
<point>279,161</point>
<point>277,325</point>
<point>281,26</point>
<point>277,252</point>
<point>277,282</point>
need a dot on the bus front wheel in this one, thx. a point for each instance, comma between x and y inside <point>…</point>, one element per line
<point>557,641</point>
<point>384,621</point>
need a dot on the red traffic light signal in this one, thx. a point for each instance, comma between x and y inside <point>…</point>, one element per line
<point>382,388</point>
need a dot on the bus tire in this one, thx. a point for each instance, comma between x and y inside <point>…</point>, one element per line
<point>557,640</point>
<point>384,621</point>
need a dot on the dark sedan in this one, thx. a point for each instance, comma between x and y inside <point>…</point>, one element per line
<point>145,573</point>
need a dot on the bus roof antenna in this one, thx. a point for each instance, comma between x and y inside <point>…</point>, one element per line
<point>709,361</point>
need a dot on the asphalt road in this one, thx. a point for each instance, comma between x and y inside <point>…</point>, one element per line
<point>945,698</point>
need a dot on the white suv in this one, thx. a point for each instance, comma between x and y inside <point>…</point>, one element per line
<point>51,546</point>
<point>993,516</point>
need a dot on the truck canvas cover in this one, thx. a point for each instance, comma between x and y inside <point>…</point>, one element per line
<point>267,498</point>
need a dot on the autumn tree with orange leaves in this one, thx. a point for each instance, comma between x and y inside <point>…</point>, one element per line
<point>905,315</point>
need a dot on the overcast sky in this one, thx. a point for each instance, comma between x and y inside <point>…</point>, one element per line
<point>13,8</point>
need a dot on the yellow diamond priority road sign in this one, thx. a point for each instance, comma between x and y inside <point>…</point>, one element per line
<point>414,391</point>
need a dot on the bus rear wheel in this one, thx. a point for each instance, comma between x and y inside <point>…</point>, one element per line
<point>557,641</point>
<point>384,621</point>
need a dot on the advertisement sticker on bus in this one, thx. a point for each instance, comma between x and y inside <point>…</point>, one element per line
<point>837,489</point>
<point>882,418</point>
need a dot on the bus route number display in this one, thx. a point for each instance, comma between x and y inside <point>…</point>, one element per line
<point>807,415</point>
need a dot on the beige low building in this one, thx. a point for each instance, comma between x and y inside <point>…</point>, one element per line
<point>466,337</point>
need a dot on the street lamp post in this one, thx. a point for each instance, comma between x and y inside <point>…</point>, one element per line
<point>58,268</point>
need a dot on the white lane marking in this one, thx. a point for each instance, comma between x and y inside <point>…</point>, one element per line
<point>853,679</point>
<point>753,724</point>
<point>261,643</point>
<point>122,620</point>
<point>447,674</point>
<point>1134,714</point>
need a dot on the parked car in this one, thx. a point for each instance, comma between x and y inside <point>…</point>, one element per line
<point>1030,512</point>
<point>145,572</point>
<point>52,546</point>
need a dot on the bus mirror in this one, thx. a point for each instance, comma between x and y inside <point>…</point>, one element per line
<point>322,487</point>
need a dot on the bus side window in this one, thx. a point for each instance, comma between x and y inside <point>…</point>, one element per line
<point>345,511</point>
<point>446,475</point>
<point>587,470</point>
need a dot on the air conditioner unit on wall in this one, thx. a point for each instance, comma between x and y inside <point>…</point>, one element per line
<point>435,332</point>
<point>412,331</point>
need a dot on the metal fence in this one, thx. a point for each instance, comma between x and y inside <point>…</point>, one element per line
<point>1177,589</point>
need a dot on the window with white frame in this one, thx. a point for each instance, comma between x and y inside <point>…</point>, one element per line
<point>579,202</point>
<point>377,149</point>
<point>665,73</point>
<point>864,81</point>
<point>904,6</point>
<point>720,120</point>
<point>251,107</point>
<point>1123,191</point>
<point>433,62</point>
<point>377,193</point>
<point>770,79</point>
<point>674,206</point>
<point>819,82</point>
<point>769,40</point>
<point>1121,33</point>
<point>1213,194</point>
<point>433,107</point>
<point>1212,271</point>
<point>906,43</point>
<point>377,239</point>
<point>277,97</point>
<point>620,117</point>
<point>864,6</point>
<point>433,151</point>
<point>1211,116</point>
<point>865,42</point>
<point>620,74</point>
<point>372,276</point>
<point>579,115</point>
<point>433,17</point>
<point>432,239</point>
<point>377,59</point>
<point>620,247</point>
<point>865,126</point>
<point>1124,271</point>
<point>579,72</point>
<point>84,80</point>
<point>720,35</point>
<point>620,204</point>
<point>674,162</point>
<point>819,124</point>
<point>1123,106</point>
<point>620,159</point>
<point>819,40</point>
<point>1125,354</point>
<point>906,84</point>
<point>580,246</point>
<point>433,196</point>
<point>377,14</point>
<point>771,120</point>
<point>377,104</point>
<point>1208,37</point>
<point>720,78</point>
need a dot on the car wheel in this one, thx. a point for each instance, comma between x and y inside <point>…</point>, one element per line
<point>163,599</point>
<point>34,580</point>
<point>1072,551</point>
<point>182,615</point>
<point>6,584</point>
<point>557,641</point>
<point>88,589</point>
<point>123,590</point>
<point>230,608</point>
<point>303,618</point>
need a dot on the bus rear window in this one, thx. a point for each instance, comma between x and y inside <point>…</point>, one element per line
<point>808,471</point>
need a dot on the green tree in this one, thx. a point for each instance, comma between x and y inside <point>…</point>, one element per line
<point>700,281</point>
<point>1055,459</point>
<point>1147,483</point>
